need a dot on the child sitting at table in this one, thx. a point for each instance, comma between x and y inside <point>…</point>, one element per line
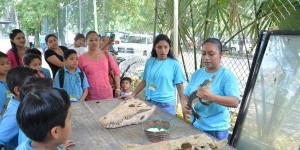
<point>35,62</point>
<point>126,86</point>
<point>45,71</point>
<point>4,97</point>
<point>71,78</point>
<point>44,116</point>
<point>9,128</point>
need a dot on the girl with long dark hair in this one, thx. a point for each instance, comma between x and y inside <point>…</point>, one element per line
<point>162,75</point>
<point>18,48</point>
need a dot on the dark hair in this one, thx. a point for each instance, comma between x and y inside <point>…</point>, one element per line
<point>68,52</point>
<point>126,79</point>
<point>78,36</point>
<point>12,35</point>
<point>28,58</point>
<point>162,37</point>
<point>41,110</point>
<point>215,41</point>
<point>33,82</point>
<point>17,75</point>
<point>48,36</point>
<point>90,32</point>
<point>34,51</point>
<point>3,55</point>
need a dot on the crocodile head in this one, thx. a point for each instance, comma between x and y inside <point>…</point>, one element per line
<point>132,111</point>
<point>193,142</point>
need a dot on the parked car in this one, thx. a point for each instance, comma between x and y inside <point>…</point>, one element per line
<point>137,44</point>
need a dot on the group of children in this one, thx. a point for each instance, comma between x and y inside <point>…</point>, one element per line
<point>38,112</point>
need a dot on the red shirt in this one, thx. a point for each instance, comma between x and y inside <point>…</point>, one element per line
<point>12,58</point>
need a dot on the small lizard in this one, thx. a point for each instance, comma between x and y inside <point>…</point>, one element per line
<point>193,97</point>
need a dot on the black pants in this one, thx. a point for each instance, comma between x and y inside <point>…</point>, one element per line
<point>31,44</point>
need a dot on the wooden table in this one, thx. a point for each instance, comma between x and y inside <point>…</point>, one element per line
<point>89,134</point>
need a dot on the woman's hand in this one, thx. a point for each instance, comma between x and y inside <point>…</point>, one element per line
<point>117,92</point>
<point>204,93</point>
<point>186,111</point>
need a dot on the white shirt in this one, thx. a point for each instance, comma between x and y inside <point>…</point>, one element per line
<point>79,50</point>
<point>125,94</point>
<point>31,38</point>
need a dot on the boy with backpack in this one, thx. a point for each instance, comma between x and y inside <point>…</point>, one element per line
<point>71,78</point>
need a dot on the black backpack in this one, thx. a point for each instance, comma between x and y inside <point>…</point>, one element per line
<point>61,75</point>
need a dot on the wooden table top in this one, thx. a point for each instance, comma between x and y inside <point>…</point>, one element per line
<point>87,132</point>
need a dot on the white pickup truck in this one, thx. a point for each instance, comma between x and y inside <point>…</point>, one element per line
<point>140,44</point>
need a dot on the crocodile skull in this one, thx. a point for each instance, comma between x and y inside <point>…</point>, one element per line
<point>132,111</point>
<point>193,142</point>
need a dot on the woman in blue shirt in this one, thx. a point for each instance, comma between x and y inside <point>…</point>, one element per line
<point>162,73</point>
<point>222,93</point>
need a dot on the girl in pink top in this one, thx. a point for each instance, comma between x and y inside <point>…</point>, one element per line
<point>17,52</point>
<point>95,65</point>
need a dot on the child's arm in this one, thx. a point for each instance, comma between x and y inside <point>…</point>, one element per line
<point>85,88</point>
<point>84,94</point>
<point>56,81</point>
<point>9,128</point>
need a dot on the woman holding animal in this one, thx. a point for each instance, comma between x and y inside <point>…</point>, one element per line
<point>220,93</point>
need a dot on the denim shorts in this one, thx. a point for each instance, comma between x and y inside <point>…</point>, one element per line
<point>169,107</point>
<point>218,134</point>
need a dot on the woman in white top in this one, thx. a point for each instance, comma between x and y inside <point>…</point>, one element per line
<point>31,40</point>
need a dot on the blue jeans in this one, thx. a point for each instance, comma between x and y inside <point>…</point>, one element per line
<point>43,46</point>
<point>169,107</point>
<point>218,134</point>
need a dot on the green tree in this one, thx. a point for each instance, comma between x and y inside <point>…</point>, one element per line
<point>31,14</point>
<point>134,15</point>
<point>227,19</point>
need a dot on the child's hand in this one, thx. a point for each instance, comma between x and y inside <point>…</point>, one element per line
<point>123,97</point>
<point>68,144</point>
<point>128,97</point>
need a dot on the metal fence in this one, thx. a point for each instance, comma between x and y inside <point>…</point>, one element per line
<point>239,64</point>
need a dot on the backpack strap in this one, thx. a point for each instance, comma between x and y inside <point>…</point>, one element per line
<point>61,75</point>
<point>81,77</point>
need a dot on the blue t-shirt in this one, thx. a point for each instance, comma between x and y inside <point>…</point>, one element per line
<point>22,137</point>
<point>214,117</point>
<point>162,75</point>
<point>72,83</point>
<point>46,72</point>
<point>3,96</point>
<point>26,145</point>
<point>9,128</point>
<point>42,39</point>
